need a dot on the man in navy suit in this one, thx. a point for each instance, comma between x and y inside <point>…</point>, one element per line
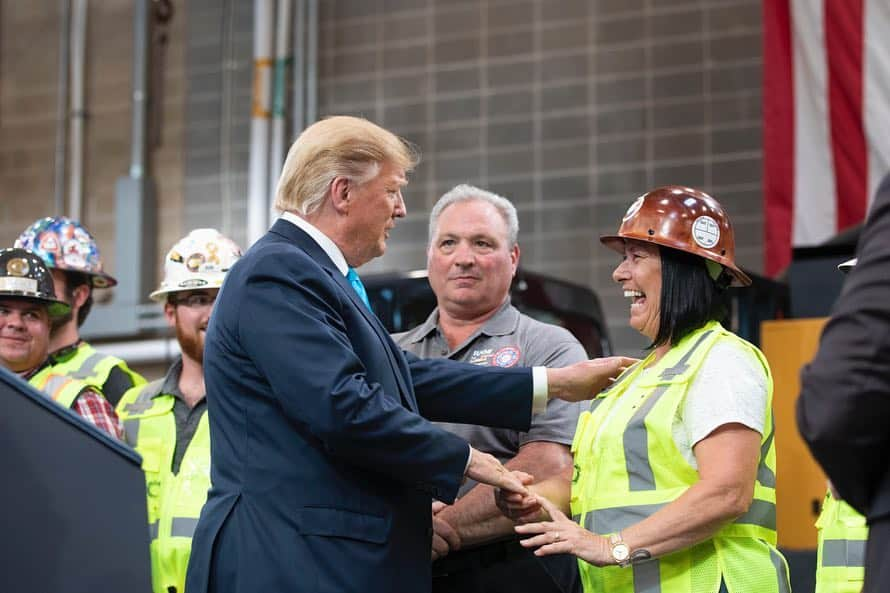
<point>323,463</point>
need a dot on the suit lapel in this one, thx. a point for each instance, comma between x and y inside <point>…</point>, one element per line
<point>297,236</point>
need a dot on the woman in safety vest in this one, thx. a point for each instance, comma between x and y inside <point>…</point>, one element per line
<point>674,464</point>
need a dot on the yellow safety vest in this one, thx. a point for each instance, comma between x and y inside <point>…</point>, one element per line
<point>627,467</point>
<point>840,558</point>
<point>60,388</point>
<point>174,501</point>
<point>92,366</point>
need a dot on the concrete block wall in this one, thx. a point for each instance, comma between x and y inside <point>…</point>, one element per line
<point>29,56</point>
<point>571,109</point>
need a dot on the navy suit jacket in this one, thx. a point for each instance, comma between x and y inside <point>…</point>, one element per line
<point>323,465</point>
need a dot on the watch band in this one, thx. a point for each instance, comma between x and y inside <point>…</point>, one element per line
<point>620,550</point>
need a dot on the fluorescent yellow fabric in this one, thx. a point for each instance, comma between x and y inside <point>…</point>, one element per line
<point>92,366</point>
<point>59,387</point>
<point>628,467</point>
<point>840,559</point>
<point>174,501</point>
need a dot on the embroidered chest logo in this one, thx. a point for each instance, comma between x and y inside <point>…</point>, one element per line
<point>506,357</point>
<point>481,356</point>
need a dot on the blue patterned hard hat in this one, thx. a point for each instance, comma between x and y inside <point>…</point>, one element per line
<point>65,245</point>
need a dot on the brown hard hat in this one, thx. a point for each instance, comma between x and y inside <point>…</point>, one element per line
<point>681,218</point>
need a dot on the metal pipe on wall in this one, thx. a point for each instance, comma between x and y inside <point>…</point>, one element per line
<point>258,186</point>
<point>144,351</point>
<point>139,122</point>
<point>298,117</point>
<point>312,63</point>
<point>78,113</point>
<point>62,110</point>
<point>279,96</point>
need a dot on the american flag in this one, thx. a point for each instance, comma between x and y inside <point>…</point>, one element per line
<point>826,118</point>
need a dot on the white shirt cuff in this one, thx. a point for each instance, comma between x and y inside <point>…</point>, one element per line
<point>539,389</point>
<point>469,459</point>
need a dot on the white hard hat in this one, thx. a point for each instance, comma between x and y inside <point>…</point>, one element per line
<point>198,260</point>
<point>848,265</point>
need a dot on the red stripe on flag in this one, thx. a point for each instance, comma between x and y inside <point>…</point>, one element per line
<point>778,134</point>
<point>844,47</point>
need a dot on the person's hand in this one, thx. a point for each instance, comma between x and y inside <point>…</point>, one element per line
<point>561,535</point>
<point>520,508</point>
<point>486,469</point>
<point>445,538</point>
<point>585,379</point>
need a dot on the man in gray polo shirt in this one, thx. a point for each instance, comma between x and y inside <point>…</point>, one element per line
<point>471,259</point>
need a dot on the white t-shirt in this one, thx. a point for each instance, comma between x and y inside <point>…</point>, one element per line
<point>729,387</point>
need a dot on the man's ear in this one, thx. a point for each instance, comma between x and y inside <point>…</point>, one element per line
<point>81,294</point>
<point>170,313</point>
<point>340,188</point>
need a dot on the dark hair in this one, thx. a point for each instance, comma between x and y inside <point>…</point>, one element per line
<point>73,280</point>
<point>690,298</point>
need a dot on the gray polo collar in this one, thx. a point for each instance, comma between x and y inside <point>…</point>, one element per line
<point>503,322</point>
<point>170,384</point>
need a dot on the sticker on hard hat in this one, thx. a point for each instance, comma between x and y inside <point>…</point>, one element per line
<point>634,208</point>
<point>17,267</point>
<point>194,262</point>
<point>705,231</point>
<point>49,242</point>
<point>193,283</point>
<point>16,284</point>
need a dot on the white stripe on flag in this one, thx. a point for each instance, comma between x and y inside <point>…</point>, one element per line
<point>876,95</point>
<point>814,203</point>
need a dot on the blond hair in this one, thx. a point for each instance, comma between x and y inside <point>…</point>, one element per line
<point>339,146</point>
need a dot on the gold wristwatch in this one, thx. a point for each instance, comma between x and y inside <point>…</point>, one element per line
<point>620,550</point>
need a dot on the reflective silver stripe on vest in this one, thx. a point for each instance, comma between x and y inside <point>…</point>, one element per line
<point>636,435</point>
<point>131,431</point>
<point>183,526</point>
<point>843,553</point>
<point>143,400</point>
<point>762,513</point>
<point>782,582</point>
<point>647,577</point>
<point>636,445</point>
<point>617,518</point>
<point>765,475</point>
<point>153,531</point>
<point>54,384</point>
<point>86,370</point>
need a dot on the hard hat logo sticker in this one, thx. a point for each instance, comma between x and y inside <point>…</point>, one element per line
<point>705,232</point>
<point>194,262</point>
<point>17,267</point>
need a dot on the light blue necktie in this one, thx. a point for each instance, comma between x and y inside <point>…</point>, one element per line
<point>357,285</point>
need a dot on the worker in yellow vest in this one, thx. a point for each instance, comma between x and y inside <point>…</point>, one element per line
<point>71,254</point>
<point>28,305</point>
<point>840,556</point>
<point>674,477</point>
<point>166,420</point>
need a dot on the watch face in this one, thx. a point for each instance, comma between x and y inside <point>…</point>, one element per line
<point>620,552</point>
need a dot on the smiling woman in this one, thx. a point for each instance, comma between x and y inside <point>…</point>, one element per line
<point>674,462</point>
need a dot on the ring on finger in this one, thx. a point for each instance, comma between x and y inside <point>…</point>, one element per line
<point>556,536</point>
